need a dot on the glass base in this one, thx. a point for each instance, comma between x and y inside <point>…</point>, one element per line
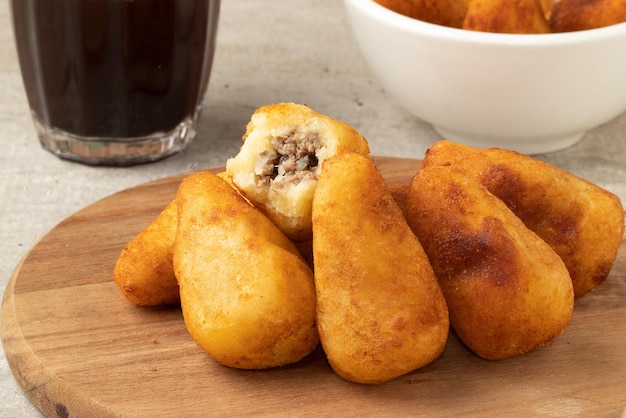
<point>116,151</point>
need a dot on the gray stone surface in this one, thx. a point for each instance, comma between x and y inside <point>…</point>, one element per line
<point>297,50</point>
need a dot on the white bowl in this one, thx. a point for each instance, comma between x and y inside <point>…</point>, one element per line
<point>530,93</point>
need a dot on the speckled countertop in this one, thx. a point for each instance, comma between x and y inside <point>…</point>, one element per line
<point>298,50</point>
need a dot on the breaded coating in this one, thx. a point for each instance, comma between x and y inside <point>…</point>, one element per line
<point>575,15</point>
<point>247,297</point>
<point>441,12</point>
<point>506,16</point>
<point>143,270</point>
<point>582,222</point>
<point>380,311</point>
<point>507,291</point>
<point>277,167</point>
<point>399,192</point>
<point>546,6</point>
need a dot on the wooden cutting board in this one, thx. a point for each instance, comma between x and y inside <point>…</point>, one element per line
<point>78,348</point>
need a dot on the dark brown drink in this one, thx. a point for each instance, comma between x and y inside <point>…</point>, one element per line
<point>115,70</point>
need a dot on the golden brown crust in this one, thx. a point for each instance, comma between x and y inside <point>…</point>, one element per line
<point>247,297</point>
<point>446,12</point>
<point>399,193</point>
<point>575,15</point>
<point>507,291</point>
<point>506,16</point>
<point>380,311</point>
<point>582,222</point>
<point>546,6</point>
<point>520,16</point>
<point>143,270</point>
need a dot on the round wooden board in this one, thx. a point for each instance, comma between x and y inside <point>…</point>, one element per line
<point>78,348</point>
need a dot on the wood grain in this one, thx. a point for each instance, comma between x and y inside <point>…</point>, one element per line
<point>78,348</point>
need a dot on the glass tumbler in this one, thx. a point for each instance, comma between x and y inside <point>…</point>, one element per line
<point>115,82</point>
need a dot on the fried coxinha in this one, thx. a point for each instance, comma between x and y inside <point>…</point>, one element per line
<point>247,296</point>
<point>507,291</point>
<point>581,221</point>
<point>276,169</point>
<point>380,311</point>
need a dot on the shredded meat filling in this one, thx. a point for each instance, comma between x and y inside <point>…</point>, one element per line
<point>292,158</point>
